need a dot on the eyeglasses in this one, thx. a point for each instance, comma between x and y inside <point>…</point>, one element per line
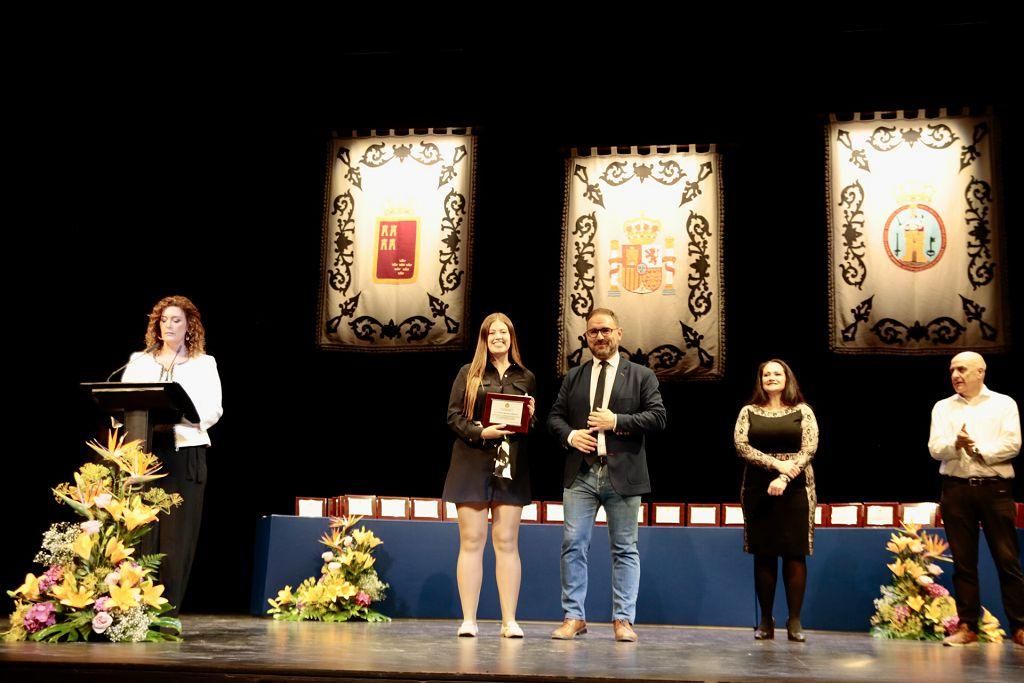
<point>593,333</point>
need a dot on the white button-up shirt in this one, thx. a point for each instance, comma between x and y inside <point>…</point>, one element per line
<point>991,419</point>
<point>609,379</point>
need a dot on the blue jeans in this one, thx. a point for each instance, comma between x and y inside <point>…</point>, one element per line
<point>588,492</point>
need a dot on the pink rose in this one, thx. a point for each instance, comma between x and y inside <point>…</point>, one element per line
<point>102,500</point>
<point>101,622</point>
<point>112,579</point>
<point>92,527</point>
<point>362,599</point>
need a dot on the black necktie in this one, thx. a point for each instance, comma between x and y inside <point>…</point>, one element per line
<point>599,392</point>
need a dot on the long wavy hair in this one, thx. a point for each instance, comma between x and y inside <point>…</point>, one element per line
<point>791,395</point>
<point>480,358</point>
<point>195,333</point>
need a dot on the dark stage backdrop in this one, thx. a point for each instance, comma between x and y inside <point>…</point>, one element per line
<point>208,183</point>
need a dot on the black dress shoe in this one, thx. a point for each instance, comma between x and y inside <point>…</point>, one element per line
<point>795,631</point>
<point>765,630</point>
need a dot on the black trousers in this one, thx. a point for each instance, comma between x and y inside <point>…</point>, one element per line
<point>990,503</point>
<point>177,534</point>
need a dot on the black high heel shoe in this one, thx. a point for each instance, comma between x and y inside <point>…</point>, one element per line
<point>765,630</point>
<point>795,631</point>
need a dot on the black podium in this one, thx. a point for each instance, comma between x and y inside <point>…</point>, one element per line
<point>144,405</point>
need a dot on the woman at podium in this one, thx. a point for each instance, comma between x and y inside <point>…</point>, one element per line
<point>175,352</point>
<point>489,471</point>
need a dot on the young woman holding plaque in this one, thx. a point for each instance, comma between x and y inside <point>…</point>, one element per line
<point>176,352</point>
<point>489,470</point>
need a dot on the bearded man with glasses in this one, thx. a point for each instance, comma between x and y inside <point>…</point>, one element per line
<point>604,409</point>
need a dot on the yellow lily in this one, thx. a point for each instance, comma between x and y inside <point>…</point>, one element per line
<point>124,597</point>
<point>69,594</point>
<point>344,590</point>
<point>30,589</point>
<point>911,529</point>
<point>934,546</point>
<point>362,536</point>
<point>915,602</point>
<point>151,594</point>
<point>130,576</point>
<point>83,546</point>
<point>897,567</point>
<point>116,509</point>
<point>117,551</point>
<point>913,569</point>
<point>138,514</point>
<point>284,596</point>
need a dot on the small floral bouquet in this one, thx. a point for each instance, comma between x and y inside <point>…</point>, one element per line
<point>348,583</point>
<point>914,606</point>
<point>93,587</point>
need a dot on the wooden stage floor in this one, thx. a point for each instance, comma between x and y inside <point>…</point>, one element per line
<point>243,648</point>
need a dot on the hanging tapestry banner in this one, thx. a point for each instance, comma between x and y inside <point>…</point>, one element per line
<point>642,235</point>
<point>395,258</point>
<point>914,236</point>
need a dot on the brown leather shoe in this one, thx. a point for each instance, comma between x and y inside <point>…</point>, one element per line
<point>1018,637</point>
<point>963,636</point>
<point>569,629</point>
<point>624,633</point>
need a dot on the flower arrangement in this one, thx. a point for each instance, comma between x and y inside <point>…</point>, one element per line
<point>348,583</point>
<point>95,587</point>
<point>915,606</point>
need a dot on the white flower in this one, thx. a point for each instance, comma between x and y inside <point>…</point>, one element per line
<point>102,500</point>
<point>112,578</point>
<point>327,556</point>
<point>934,569</point>
<point>334,566</point>
<point>92,527</point>
<point>101,622</point>
<point>925,580</point>
<point>348,541</point>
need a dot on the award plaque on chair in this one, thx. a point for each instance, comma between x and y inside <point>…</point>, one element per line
<point>511,410</point>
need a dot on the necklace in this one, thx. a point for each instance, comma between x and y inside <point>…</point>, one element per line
<point>167,373</point>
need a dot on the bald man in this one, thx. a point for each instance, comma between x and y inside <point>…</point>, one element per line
<point>975,433</point>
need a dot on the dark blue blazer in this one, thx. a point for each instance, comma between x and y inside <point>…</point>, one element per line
<point>636,402</point>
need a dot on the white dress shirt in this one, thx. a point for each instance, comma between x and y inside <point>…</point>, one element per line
<point>198,377</point>
<point>609,379</point>
<point>991,419</point>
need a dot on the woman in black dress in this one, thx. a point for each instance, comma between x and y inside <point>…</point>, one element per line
<point>489,471</point>
<point>777,435</point>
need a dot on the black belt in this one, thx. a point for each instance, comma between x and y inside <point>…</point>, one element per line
<point>974,481</point>
<point>601,461</point>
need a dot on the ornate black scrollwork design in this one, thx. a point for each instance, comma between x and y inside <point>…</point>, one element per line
<point>942,330</point>
<point>370,329</point>
<point>858,157</point>
<point>347,309</point>
<point>352,173</point>
<point>980,270</point>
<point>574,358</point>
<point>339,277</point>
<point>664,357</point>
<point>974,313</point>
<point>692,188</point>
<point>667,172</point>
<point>861,314</point>
<point>448,173</point>
<point>970,153</point>
<point>584,252</point>
<point>699,230</point>
<point>593,192</point>
<point>853,268</point>
<point>450,276</point>
<point>439,309</point>
<point>934,136</point>
<point>692,338</point>
<point>376,155</point>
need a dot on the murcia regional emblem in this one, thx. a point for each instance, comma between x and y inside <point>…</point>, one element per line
<point>397,248</point>
<point>641,265</point>
<point>915,236</point>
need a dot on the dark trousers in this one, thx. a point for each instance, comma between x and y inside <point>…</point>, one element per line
<point>990,503</point>
<point>176,534</point>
